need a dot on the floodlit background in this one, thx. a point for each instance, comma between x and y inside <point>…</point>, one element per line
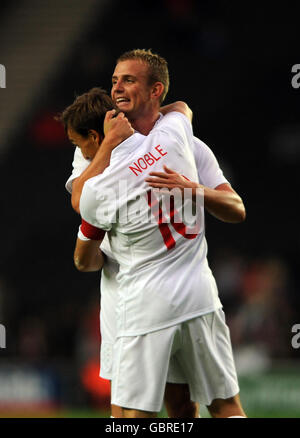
<point>232,63</point>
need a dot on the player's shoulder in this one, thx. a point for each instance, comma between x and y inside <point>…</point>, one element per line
<point>90,186</point>
<point>125,150</point>
<point>174,128</point>
<point>173,117</point>
<point>88,197</point>
<point>173,120</point>
<point>96,184</point>
<point>132,141</point>
<point>201,148</point>
<point>96,189</point>
<point>200,143</point>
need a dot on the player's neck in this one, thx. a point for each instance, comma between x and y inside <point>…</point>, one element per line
<point>145,124</point>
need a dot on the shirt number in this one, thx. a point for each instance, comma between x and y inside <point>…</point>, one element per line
<point>164,228</point>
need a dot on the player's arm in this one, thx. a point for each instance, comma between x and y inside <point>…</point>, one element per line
<point>116,130</point>
<point>87,255</point>
<point>179,107</point>
<point>222,202</point>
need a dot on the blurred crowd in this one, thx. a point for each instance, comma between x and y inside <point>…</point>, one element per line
<point>258,297</point>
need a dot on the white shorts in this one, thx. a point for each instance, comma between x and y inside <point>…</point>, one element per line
<point>108,323</point>
<point>201,350</point>
<point>108,336</point>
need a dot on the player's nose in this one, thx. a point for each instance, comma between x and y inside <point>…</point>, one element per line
<point>118,86</point>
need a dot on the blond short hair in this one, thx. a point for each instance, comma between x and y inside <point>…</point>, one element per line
<point>157,67</point>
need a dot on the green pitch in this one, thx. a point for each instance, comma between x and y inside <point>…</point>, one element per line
<point>270,394</point>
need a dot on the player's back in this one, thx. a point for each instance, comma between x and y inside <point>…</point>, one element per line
<point>163,265</point>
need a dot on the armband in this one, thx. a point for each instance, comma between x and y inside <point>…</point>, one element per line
<point>90,232</point>
<point>80,235</point>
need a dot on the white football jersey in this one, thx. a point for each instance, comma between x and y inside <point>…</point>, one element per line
<point>209,172</point>
<point>208,169</point>
<point>164,277</point>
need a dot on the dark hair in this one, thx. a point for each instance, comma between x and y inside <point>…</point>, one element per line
<point>157,67</point>
<point>87,112</point>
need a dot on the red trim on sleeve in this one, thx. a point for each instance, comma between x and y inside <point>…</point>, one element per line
<point>91,232</point>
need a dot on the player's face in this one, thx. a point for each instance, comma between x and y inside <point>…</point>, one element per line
<point>88,145</point>
<point>130,90</point>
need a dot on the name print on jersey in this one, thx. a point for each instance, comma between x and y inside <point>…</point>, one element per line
<point>2,76</point>
<point>147,160</point>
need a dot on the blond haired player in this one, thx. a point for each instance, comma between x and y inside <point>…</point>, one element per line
<point>168,304</point>
<point>211,174</point>
<point>82,120</point>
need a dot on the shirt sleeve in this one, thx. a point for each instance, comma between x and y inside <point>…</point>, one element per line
<point>98,210</point>
<point>79,165</point>
<point>209,172</point>
<point>91,232</point>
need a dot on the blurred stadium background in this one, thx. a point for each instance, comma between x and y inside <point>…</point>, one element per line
<point>232,63</point>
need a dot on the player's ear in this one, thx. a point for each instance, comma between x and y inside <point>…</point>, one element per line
<point>157,90</point>
<point>95,136</point>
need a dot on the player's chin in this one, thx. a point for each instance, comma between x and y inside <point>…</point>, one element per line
<point>125,107</point>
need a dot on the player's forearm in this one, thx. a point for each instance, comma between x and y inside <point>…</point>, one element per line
<point>222,202</point>
<point>87,256</point>
<point>93,264</point>
<point>225,205</point>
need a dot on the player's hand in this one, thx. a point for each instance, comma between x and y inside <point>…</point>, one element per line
<point>169,179</point>
<point>118,128</point>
